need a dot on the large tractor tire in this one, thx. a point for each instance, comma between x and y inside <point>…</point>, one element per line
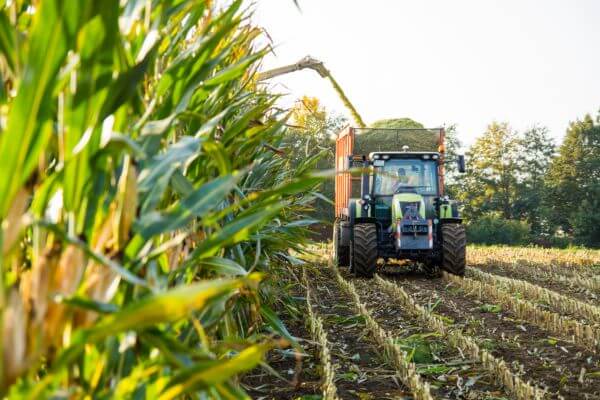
<point>364,250</point>
<point>454,242</point>
<point>341,254</point>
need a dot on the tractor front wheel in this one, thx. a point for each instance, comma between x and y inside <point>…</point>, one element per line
<point>364,250</point>
<point>454,242</point>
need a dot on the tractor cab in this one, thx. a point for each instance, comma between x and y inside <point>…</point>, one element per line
<point>399,173</point>
<point>400,209</point>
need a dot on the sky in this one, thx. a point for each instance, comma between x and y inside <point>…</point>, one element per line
<point>464,62</point>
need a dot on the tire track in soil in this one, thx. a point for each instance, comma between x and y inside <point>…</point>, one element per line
<point>444,367</point>
<point>580,293</point>
<point>361,372</point>
<point>553,364</point>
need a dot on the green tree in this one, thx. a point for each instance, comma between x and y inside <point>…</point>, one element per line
<point>573,182</point>
<point>536,149</point>
<point>312,131</point>
<point>312,136</point>
<point>453,179</point>
<point>491,182</point>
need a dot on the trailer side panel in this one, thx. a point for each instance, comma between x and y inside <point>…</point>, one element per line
<point>343,180</point>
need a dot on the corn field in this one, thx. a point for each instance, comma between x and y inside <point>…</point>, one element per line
<point>145,197</point>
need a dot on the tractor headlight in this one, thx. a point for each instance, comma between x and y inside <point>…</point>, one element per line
<point>425,156</point>
<point>386,157</point>
<point>435,156</point>
<point>375,156</point>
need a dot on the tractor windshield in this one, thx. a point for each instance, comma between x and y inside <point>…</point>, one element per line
<point>397,175</point>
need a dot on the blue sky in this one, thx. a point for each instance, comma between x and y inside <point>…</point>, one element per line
<point>438,61</point>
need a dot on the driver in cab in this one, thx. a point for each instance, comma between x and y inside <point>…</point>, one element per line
<point>403,180</point>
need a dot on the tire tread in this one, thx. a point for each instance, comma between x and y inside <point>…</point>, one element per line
<point>454,243</point>
<point>365,250</point>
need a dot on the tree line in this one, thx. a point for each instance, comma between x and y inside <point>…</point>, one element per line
<point>520,187</point>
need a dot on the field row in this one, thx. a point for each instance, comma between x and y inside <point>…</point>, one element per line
<point>528,343</point>
<point>567,260</point>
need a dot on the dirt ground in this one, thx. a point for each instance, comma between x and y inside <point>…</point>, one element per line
<point>558,365</point>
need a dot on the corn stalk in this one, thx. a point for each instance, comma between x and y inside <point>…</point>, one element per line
<point>573,278</point>
<point>407,371</point>
<point>319,335</point>
<point>562,303</point>
<point>565,260</point>
<point>497,367</point>
<point>142,186</point>
<point>581,334</point>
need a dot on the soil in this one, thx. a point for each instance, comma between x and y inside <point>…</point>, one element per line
<point>361,372</point>
<point>560,367</point>
<point>444,367</point>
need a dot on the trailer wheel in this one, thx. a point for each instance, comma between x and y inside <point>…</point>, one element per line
<point>454,242</point>
<point>364,250</point>
<point>341,254</point>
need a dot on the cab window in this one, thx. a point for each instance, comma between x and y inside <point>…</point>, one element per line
<point>398,175</point>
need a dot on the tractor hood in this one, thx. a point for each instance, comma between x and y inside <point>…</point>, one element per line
<point>413,231</point>
<point>405,202</point>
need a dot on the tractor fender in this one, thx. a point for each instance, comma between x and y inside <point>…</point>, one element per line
<point>451,221</point>
<point>449,210</point>
<point>345,233</point>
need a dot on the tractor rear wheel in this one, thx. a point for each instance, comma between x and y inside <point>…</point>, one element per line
<point>454,242</point>
<point>341,254</point>
<point>364,250</point>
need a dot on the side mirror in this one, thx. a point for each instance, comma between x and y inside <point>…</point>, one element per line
<point>461,164</point>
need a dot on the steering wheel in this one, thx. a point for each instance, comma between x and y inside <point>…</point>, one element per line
<point>402,188</point>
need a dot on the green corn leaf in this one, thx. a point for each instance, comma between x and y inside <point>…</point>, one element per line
<point>156,175</point>
<point>164,307</point>
<point>277,325</point>
<point>196,204</point>
<point>126,85</point>
<point>118,143</point>
<point>169,306</point>
<point>181,184</point>
<point>8,39</point>
<point>218,153</point>
<point>88,304</point>
<point>51,36</point>
<point>222,266</point>
<point>213,373</point>
<point>234,232</point>
<point>233,71</point>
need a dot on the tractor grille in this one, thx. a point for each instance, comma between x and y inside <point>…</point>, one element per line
<point>410,209</point>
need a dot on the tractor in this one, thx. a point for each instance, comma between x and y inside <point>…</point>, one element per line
<point>390,202</point>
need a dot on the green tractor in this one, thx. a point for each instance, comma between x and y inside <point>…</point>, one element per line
<point>396,209</point>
